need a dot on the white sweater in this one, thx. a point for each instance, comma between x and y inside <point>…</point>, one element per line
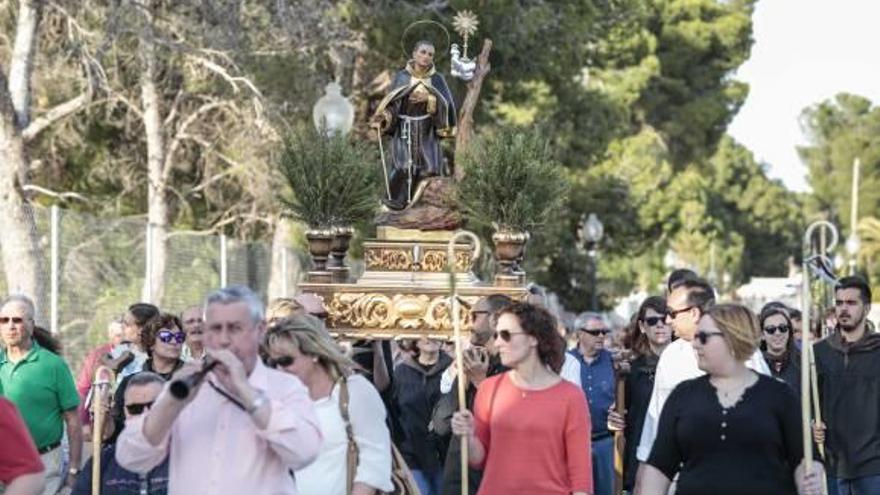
<point>327,475</point>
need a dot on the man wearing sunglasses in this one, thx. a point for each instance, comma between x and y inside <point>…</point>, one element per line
<point>241,428</point>
<point>40,384</point>
<point>142,390</point>
<point>685,306</point>
<point>597,382</point>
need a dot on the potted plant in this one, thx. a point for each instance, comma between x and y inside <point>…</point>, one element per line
<point>333,184</point>
<point>512,183</point>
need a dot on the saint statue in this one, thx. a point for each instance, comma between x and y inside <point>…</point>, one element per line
<point>417,114</point>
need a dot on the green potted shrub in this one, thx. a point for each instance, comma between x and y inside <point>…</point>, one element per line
<point>512,183</point>
<point>333,184</point>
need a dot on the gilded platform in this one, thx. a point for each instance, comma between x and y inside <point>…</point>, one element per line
<point>404,291</point>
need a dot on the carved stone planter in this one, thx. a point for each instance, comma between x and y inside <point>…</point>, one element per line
<point>338,249</point>
<point>509,249</point>
<point>320,243</point>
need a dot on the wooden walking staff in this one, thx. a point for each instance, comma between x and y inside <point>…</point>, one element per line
<point>808,375</point>
<point>100,392</point>
<point>621,368</point>
<point>456,328</point>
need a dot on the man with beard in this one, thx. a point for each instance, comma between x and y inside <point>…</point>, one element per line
<point>480,362</point>
<point>848,367</point>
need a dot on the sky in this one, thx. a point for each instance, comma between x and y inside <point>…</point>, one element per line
<point>805,51</point>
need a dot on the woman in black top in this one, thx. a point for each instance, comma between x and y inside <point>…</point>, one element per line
<point>648,336</point>
<point>731,432</point>
<point>777,345</point>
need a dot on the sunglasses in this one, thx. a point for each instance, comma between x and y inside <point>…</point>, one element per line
<point>17,320</point>
<point>654,320</point>
<point>596,332</point>
<point>777,328</point>
<point>283,362</point>
<point>673,313</point>
<point>135,409</point>
<point>703,337</point>
<point>506,335</point>
<point>168,337</point>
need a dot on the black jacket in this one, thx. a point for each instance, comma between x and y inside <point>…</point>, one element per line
<point>787,369</point>
<point>637,396</point>
<point>415,392</point>
<point>849,386</point>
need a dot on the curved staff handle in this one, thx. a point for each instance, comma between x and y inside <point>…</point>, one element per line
<point>456,328</point>
<point>808,373</point>
<point>101,385</point>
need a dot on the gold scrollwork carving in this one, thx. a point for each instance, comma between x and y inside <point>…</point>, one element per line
<point>388,259</point>
<point>435,261</point>
<point>403,312</point>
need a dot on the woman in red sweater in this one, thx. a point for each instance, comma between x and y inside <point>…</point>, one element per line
<point>530,430</point>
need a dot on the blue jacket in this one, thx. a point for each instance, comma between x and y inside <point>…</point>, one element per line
<point>116,480</point>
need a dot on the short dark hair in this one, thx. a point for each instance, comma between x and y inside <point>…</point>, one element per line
<point>497,302</point>
<point>423,42</point>
<point>677,277</point>
<point>540,324</point>
<point>795,314</point>
<point>153,326</point>
<point>144,378</point>
<point>700,293</point>
<point>855,282</point>
<point>142,312</point>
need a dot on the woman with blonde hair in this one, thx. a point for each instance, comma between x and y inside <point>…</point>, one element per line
<point>347,405</point>
<point>731,431</point>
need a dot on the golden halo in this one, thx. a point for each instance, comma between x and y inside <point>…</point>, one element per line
<point>425,29</point>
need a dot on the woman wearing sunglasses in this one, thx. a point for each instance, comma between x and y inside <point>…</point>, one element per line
<point>530,429</point>
<point>162,339</point>
<point>777,344</point>
<point>731,431</point>
<point>648,336</point>
<point>346,404</point>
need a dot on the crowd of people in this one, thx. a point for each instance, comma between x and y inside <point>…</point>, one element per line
<point>693,397</point>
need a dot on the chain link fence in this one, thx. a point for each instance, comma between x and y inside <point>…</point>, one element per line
<point>95,267</point>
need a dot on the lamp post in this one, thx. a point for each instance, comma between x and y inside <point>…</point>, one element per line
<point>852,249</point>
<point>852,243</point>
<point>591,231</point>
<point>333,113</point>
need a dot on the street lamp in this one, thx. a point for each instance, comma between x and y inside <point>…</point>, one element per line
<point>591,231</point>
<point>852,249</point>
<point>333,113</point>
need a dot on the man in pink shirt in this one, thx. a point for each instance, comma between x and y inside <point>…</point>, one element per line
<point>242,429</point>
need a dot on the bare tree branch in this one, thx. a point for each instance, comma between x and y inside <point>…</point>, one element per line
<point>223,73</point>
<point>57,113</point>
<point>21,65</point>
<point>182,131</point>
<point>59,195</point>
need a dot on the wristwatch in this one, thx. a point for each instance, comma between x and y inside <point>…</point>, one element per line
<point>73,471</point>
<point>258,401</point>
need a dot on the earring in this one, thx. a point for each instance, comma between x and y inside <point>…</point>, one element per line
<point>315,359</point>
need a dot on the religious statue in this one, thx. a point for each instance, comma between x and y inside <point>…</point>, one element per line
<point>417,113</point>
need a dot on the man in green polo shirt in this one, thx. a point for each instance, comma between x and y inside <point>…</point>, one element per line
<point>40,384</point>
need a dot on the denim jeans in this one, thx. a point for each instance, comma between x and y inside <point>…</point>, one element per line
<point>868,485</point>
<point>429,482</point>
<point>603,466</point>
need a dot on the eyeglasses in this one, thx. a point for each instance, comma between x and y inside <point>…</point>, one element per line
<point>654,320</point>
<point>168,336</point>
<point>673,313</point>
<point>505,335</point>
<point>703,337</point>
<point>16,320</point>
<point>283,361</point>
<point>135,409</point>
<point>596,332</point>
<point>777,328</point>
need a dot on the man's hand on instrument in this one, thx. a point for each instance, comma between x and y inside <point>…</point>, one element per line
<point>230,372</point>
<point>616,421</point>
<point>819,429</point>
